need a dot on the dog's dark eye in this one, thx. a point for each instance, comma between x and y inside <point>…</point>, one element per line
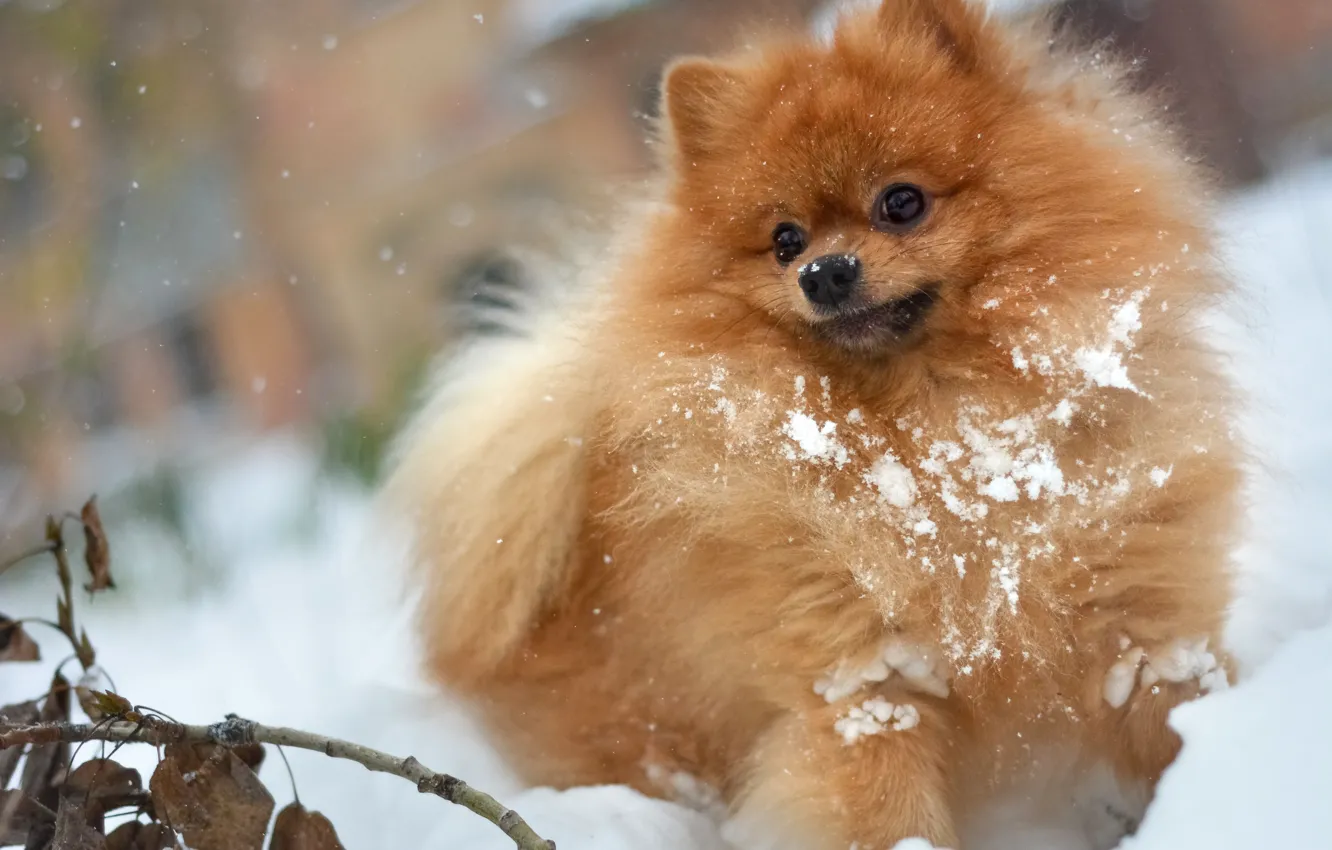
<point>788,242</point>
<point>900,207</point>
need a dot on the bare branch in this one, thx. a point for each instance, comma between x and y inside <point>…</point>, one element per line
<point>236,731</point>
<point>14,560</point>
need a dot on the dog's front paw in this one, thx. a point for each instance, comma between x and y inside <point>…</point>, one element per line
<point>1178,662</point>
<point>922,667</point>
<point>874,717</point>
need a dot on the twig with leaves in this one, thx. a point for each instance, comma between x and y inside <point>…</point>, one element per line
<point>205,789</point>
<point>236,732</point>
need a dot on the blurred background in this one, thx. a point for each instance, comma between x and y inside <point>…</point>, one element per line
<point>232,232</point>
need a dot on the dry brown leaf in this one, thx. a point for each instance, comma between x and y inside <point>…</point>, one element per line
<point>85,652</point>
<point>20,712</point>
<point>216,803</point>
<point>64,616</point>
<point>55,707</point>
<point>252,754</point>
<point>297,828</point>
<point>102,785</point>
<point>96,551</point>
<point>141,836</point>
<point>45,766</point>
<point>173,799</point>
<point>192,755</point>
<point>23,712</point>
<point>88,703</point>
<point>21,816</point>
<point>15,643</point>
<point>71,828</point>
<point>99,705</point>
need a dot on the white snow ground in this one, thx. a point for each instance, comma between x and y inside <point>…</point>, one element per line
<point>305,630</point>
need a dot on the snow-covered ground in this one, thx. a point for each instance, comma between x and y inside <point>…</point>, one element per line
<point>307,630</point>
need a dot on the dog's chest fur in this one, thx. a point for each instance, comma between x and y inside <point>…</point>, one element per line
<point>969,522</point>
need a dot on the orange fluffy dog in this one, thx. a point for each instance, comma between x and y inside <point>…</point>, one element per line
<point>882,461</point>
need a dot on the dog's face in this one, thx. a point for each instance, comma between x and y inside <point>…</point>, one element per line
<point>873,194</point>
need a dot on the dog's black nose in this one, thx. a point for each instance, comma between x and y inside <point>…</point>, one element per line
<point>831,279</point>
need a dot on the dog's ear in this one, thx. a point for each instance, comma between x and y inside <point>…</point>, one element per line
<point>699,98</point>
<point>957,26</point>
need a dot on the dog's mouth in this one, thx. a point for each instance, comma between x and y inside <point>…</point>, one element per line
<point>863,327</point>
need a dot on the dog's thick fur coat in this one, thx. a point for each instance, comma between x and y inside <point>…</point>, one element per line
<point>675,530</point>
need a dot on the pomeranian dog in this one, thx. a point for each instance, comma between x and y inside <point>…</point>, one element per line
<point>882,459</point>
